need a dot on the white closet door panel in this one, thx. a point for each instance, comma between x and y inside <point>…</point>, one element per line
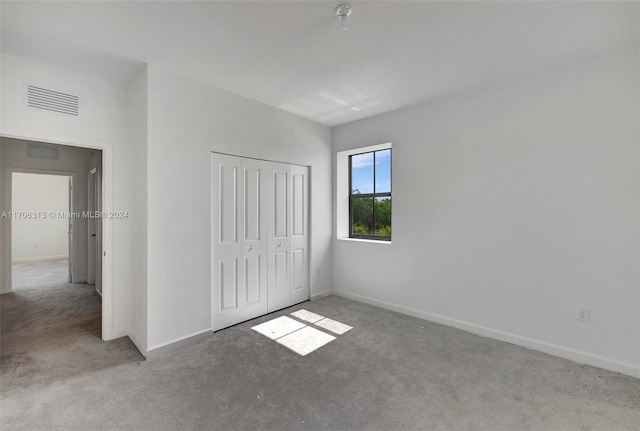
<point>229,192</point>
<point>228,283</point>
<point>298,201</point>
<point>256,201</point>
<point>254,280</point>
<point>298,262</point>
<point>280,201</point>
<point>238,267</point>
<point>299,234</point>
<point>227,275</point>
<point>279,252</point>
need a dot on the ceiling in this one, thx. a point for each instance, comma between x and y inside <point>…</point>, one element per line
<point>293,55</point>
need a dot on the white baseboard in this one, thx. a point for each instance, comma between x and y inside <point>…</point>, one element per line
<point>552,349</point>
<point>178,342</point>
<point>117,334</point>
<point>38,259</point>
<point>124,333</point>
<point>196,336</point>
<point>321,295</point>
<point>138,344</point>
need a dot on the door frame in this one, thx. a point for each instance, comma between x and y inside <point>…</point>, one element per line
<point>92,206</point>
<point>8,225</point>
<point>108,332</point>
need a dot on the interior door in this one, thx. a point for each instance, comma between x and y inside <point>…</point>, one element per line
<point>91,228</point>
<point>70,251</point>
<point>98,226</point>
<point>299,234</point>
<point>239,246</point>
<point>279,244</point>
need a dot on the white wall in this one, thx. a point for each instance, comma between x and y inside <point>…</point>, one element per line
<point>158,131</point>
<point>3,287</point>
<point>136,259</point>
<point>513,205</point>
<point>35,239</point>
<point>188,120</point>
<point>101,124</point>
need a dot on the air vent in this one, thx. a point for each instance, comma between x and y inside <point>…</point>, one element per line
<point>43,151</point>
<point>42,98</point>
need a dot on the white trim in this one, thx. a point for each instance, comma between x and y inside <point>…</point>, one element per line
<point>108,332</point>
<point>38,259</point>
<point>372,241</point>
<point>176,340</point>
<point>119,334</point>
<point>137,343</point>
<point>321,295</point>
<point>342,190</point>
<point>366,149</point>
<point>49,138</point>
<point>552,349</point>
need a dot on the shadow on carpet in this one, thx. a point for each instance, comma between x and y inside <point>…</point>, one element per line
<point>50,330</point>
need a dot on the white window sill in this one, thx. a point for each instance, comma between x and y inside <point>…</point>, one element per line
<point>372,241</point>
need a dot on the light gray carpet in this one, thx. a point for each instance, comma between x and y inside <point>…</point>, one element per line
<point>50,329</point>
<point>390,372</point>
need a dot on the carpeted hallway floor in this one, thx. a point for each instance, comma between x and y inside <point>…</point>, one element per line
<point>390,372</point>
<point>50,329</point>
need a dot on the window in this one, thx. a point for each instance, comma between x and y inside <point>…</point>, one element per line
<point>370,195</point>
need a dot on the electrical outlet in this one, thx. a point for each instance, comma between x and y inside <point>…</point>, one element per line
<point>35,245</point>
<point>317,271</point>
<point>583,314</point>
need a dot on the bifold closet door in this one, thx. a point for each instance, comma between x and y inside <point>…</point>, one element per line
<point>299,176</point>
<point>239,241</point>
<point>279,231</point>
<point>259,235</point>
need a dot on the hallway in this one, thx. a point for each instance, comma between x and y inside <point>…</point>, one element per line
<point>50,329</point>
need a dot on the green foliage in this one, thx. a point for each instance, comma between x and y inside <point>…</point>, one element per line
<point>363,216</point>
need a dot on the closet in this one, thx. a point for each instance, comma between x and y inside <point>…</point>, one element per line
<point>259,237</point>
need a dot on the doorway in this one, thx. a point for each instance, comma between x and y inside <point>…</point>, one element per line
<point>41,229</point>
<point>46,215</point>
<point>57,155</point>
<point>52,318</point>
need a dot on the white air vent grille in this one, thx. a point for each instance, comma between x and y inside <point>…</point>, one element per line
<point>43,151</point>
<point>42,98</point>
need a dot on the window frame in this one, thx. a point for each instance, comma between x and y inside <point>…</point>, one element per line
<point>373,195</point>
